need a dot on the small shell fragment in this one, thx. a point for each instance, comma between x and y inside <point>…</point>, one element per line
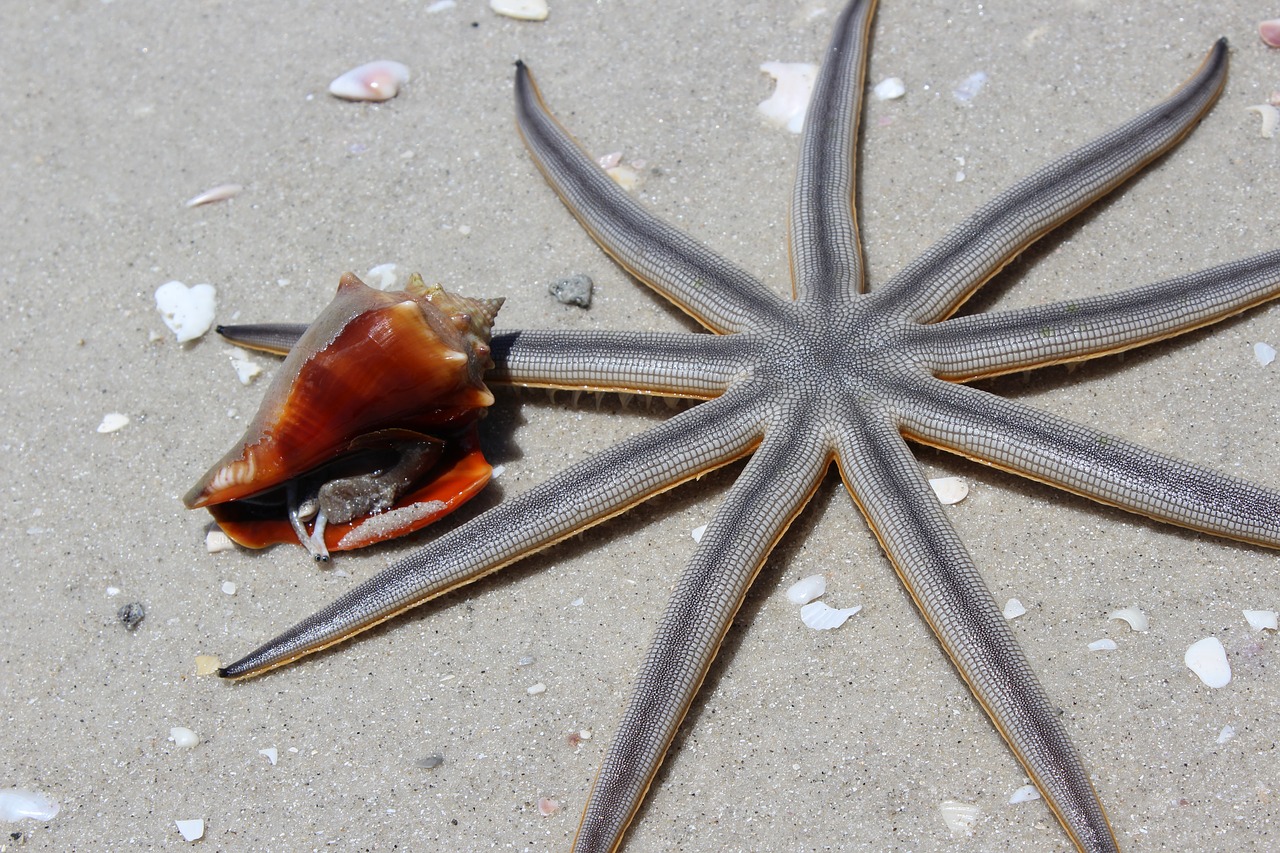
<point>1136,618</point>
<point>1270,119</point>
<point>383,276</point>
<point>222,192</point>
<point>1264,352</point>
<point>1013,608</point>
<point>547,806</point>
<point>207,665</point>
<point>113,421</point>
<point>215,542</point>
<point>1261,620</point>
<point>1208,660</point>
<point>1025,794</point>
<point>1103,645</point>
<point>535,689</point>
<point>823,617</point>
<point>572,290</point>
<point>1227,733</point>
<point>890,88</point>
<point>191,830</point>
<point>1269,32</point>
<point>429,762</point>
<point>271,754</point>
<point>19,803</point>
<point>969,87</point>
<point>521,10</point>
<point>187,311</point>
<point>959,817</point>
<point>697,532</point>
<point>183,737</point>
<point>790,99</point>
<point>374,81</point>
<point>950,490</point>
<point>246,369</point>
<point>229,587</point>
<point>807,589</point>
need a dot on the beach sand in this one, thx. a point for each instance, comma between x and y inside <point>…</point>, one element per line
<point>116,112</point>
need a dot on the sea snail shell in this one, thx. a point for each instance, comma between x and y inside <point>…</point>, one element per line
<point>368,430</point>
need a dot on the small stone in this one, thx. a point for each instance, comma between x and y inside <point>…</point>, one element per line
<point>132,614</point>
<point>573,290</point>
<point>536,689</point>
<point>889,89</point>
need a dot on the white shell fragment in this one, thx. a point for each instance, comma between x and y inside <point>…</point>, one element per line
<point>383,276</point>
<point>222,192</point>
<point>1261,620</point>
<point>18,803</point>
<point>229,587</point>
<point>190,830</point>
<point>187,311</point>
<point>1264,352</point>
<point>113,421</point>
<point>790,99</point>
<point>1208,660</point>
<point>521,10</point>
<point>1103,645</point>
<point>969,88</point>
<point>1137,619</point>
<point>271,754</point>
<point>1227,733</point>
<point>823,617</point>
<point>697,532</point>
<point>950,490</point>
<point>1025,794</point>
<point>374,81</point>
<point>183,737</point>
<point>807,589</point>
<point>215,542</point>
<point>959,817</point>
<point>1270,119</point>
<point>535,689</point>
<point>246,369</point>
<point>1013,608</point>
<point>890,88</point>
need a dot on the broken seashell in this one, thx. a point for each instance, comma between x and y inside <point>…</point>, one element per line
<point>787,106</point>
<point>1269,32</point>
<point>187,311</point>
<point>1270,119</point>
<point>368,431</point>
<point>222,192</point>
<point>824,617</point>
<point>1208,660</point>
<point>1261,620</point>
<point>807,589</point>
<point>1135,616</point>
<point>521,10</point>
<point>374,81</point>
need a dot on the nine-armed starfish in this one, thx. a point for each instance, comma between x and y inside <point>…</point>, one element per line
<point>843,375</point>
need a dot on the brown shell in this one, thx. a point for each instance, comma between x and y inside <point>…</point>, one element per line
<point>409,361</point>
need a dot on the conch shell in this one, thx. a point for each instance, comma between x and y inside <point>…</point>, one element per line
<point>368,432</point>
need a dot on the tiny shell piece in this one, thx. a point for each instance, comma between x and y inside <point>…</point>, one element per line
<point>222,192</point>
<point>374,81</point>
<point>191,830</point>
<point>547,806</point>
<point>271,754</point>
<point>215,542</point>
<point>246,370</point>
<point>697,532</point>
<point>1269,31</point>
<point>183,737</point>
<point>535,689</point>
<point>790,99</point>
<point>113,421</point>
<point>1208,660</point>
<point>187,311</point>
<point>807,589</point>
<point>890,88</point>
<point>1227,733</point>
<point>229,588</point>
<point>1136,618</point>
<point>969,88</point>
<point>959,817</point>
<point>1103,645</point>
<point>521,10</point>
<point>1264,352</point>
<point>823,617</point>
<point>207,665</point>
<point>1013,608</point>
<point>1261,620</point>
<point>1025,794</point>
<point>1270,119</point>
<point>19,803</point>
<point>950,490</point>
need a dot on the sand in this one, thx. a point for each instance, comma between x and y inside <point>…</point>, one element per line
<point>116,112</point>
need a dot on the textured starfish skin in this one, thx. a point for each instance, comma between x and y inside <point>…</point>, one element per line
<point>839,374</point>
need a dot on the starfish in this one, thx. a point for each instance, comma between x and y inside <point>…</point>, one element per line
<point>847,375</point>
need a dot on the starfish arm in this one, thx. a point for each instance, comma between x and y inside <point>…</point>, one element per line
<point>965,348</point>
<point>885,481</point>
<point>1089,462</point>
<point>681,365</point>
<point>773,488</point>
<point>934,285</point>
<point>717,294</point>
<point>685,446</point>
<point>826,259</point>
<point>275,338</point>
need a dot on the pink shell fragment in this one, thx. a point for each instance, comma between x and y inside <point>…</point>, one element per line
<point>373,81</point>
<point>1270,32</point>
